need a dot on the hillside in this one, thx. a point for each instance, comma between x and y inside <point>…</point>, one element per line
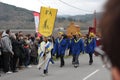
<point>18,18</point>
<point>15,18</point>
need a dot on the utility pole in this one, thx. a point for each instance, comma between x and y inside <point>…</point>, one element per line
<point>95,22</point>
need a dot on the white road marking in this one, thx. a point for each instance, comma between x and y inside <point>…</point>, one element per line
<point>91,74</point>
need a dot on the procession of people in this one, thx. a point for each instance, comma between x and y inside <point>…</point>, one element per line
<point>19,51</point>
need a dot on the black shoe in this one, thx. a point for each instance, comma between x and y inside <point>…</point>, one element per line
<point>61,65</point>
<point>90,63</point>
<point>15,71</point>
<point>45,72</point>
<point>76,65</point>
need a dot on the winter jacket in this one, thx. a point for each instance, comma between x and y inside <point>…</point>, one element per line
<point>15,45</point>
<point>6,43</point>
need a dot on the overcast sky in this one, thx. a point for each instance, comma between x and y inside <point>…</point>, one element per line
<point>88,5</point>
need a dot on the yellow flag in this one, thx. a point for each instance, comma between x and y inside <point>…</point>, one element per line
<point>47,20</point>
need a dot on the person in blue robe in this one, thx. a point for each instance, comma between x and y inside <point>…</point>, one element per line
<point>90,44</point>
<point>77,47</point>
<point>60,47</point>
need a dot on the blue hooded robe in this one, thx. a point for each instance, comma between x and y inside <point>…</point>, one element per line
<point>60,46</point>
<point>90,45</point>
<point>77,46</point>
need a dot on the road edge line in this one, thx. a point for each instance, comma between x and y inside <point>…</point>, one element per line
<point>91,74</point>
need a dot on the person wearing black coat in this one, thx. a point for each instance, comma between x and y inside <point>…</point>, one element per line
<point>15,57</point>
<point>21,51</point>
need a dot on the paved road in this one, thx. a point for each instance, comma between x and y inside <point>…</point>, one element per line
<point>83,72</point>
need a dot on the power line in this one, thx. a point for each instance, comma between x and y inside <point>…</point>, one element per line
<point>67,5</point>
<point>55,4</point>
<point>74,6</point>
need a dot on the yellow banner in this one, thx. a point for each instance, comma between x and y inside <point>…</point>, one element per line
<point>47,20</point>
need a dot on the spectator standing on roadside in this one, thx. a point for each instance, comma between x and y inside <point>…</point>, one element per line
<point>15,57</point>
<point>7,52</point>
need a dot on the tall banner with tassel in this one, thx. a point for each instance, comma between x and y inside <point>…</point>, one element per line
<point>47,20</point>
